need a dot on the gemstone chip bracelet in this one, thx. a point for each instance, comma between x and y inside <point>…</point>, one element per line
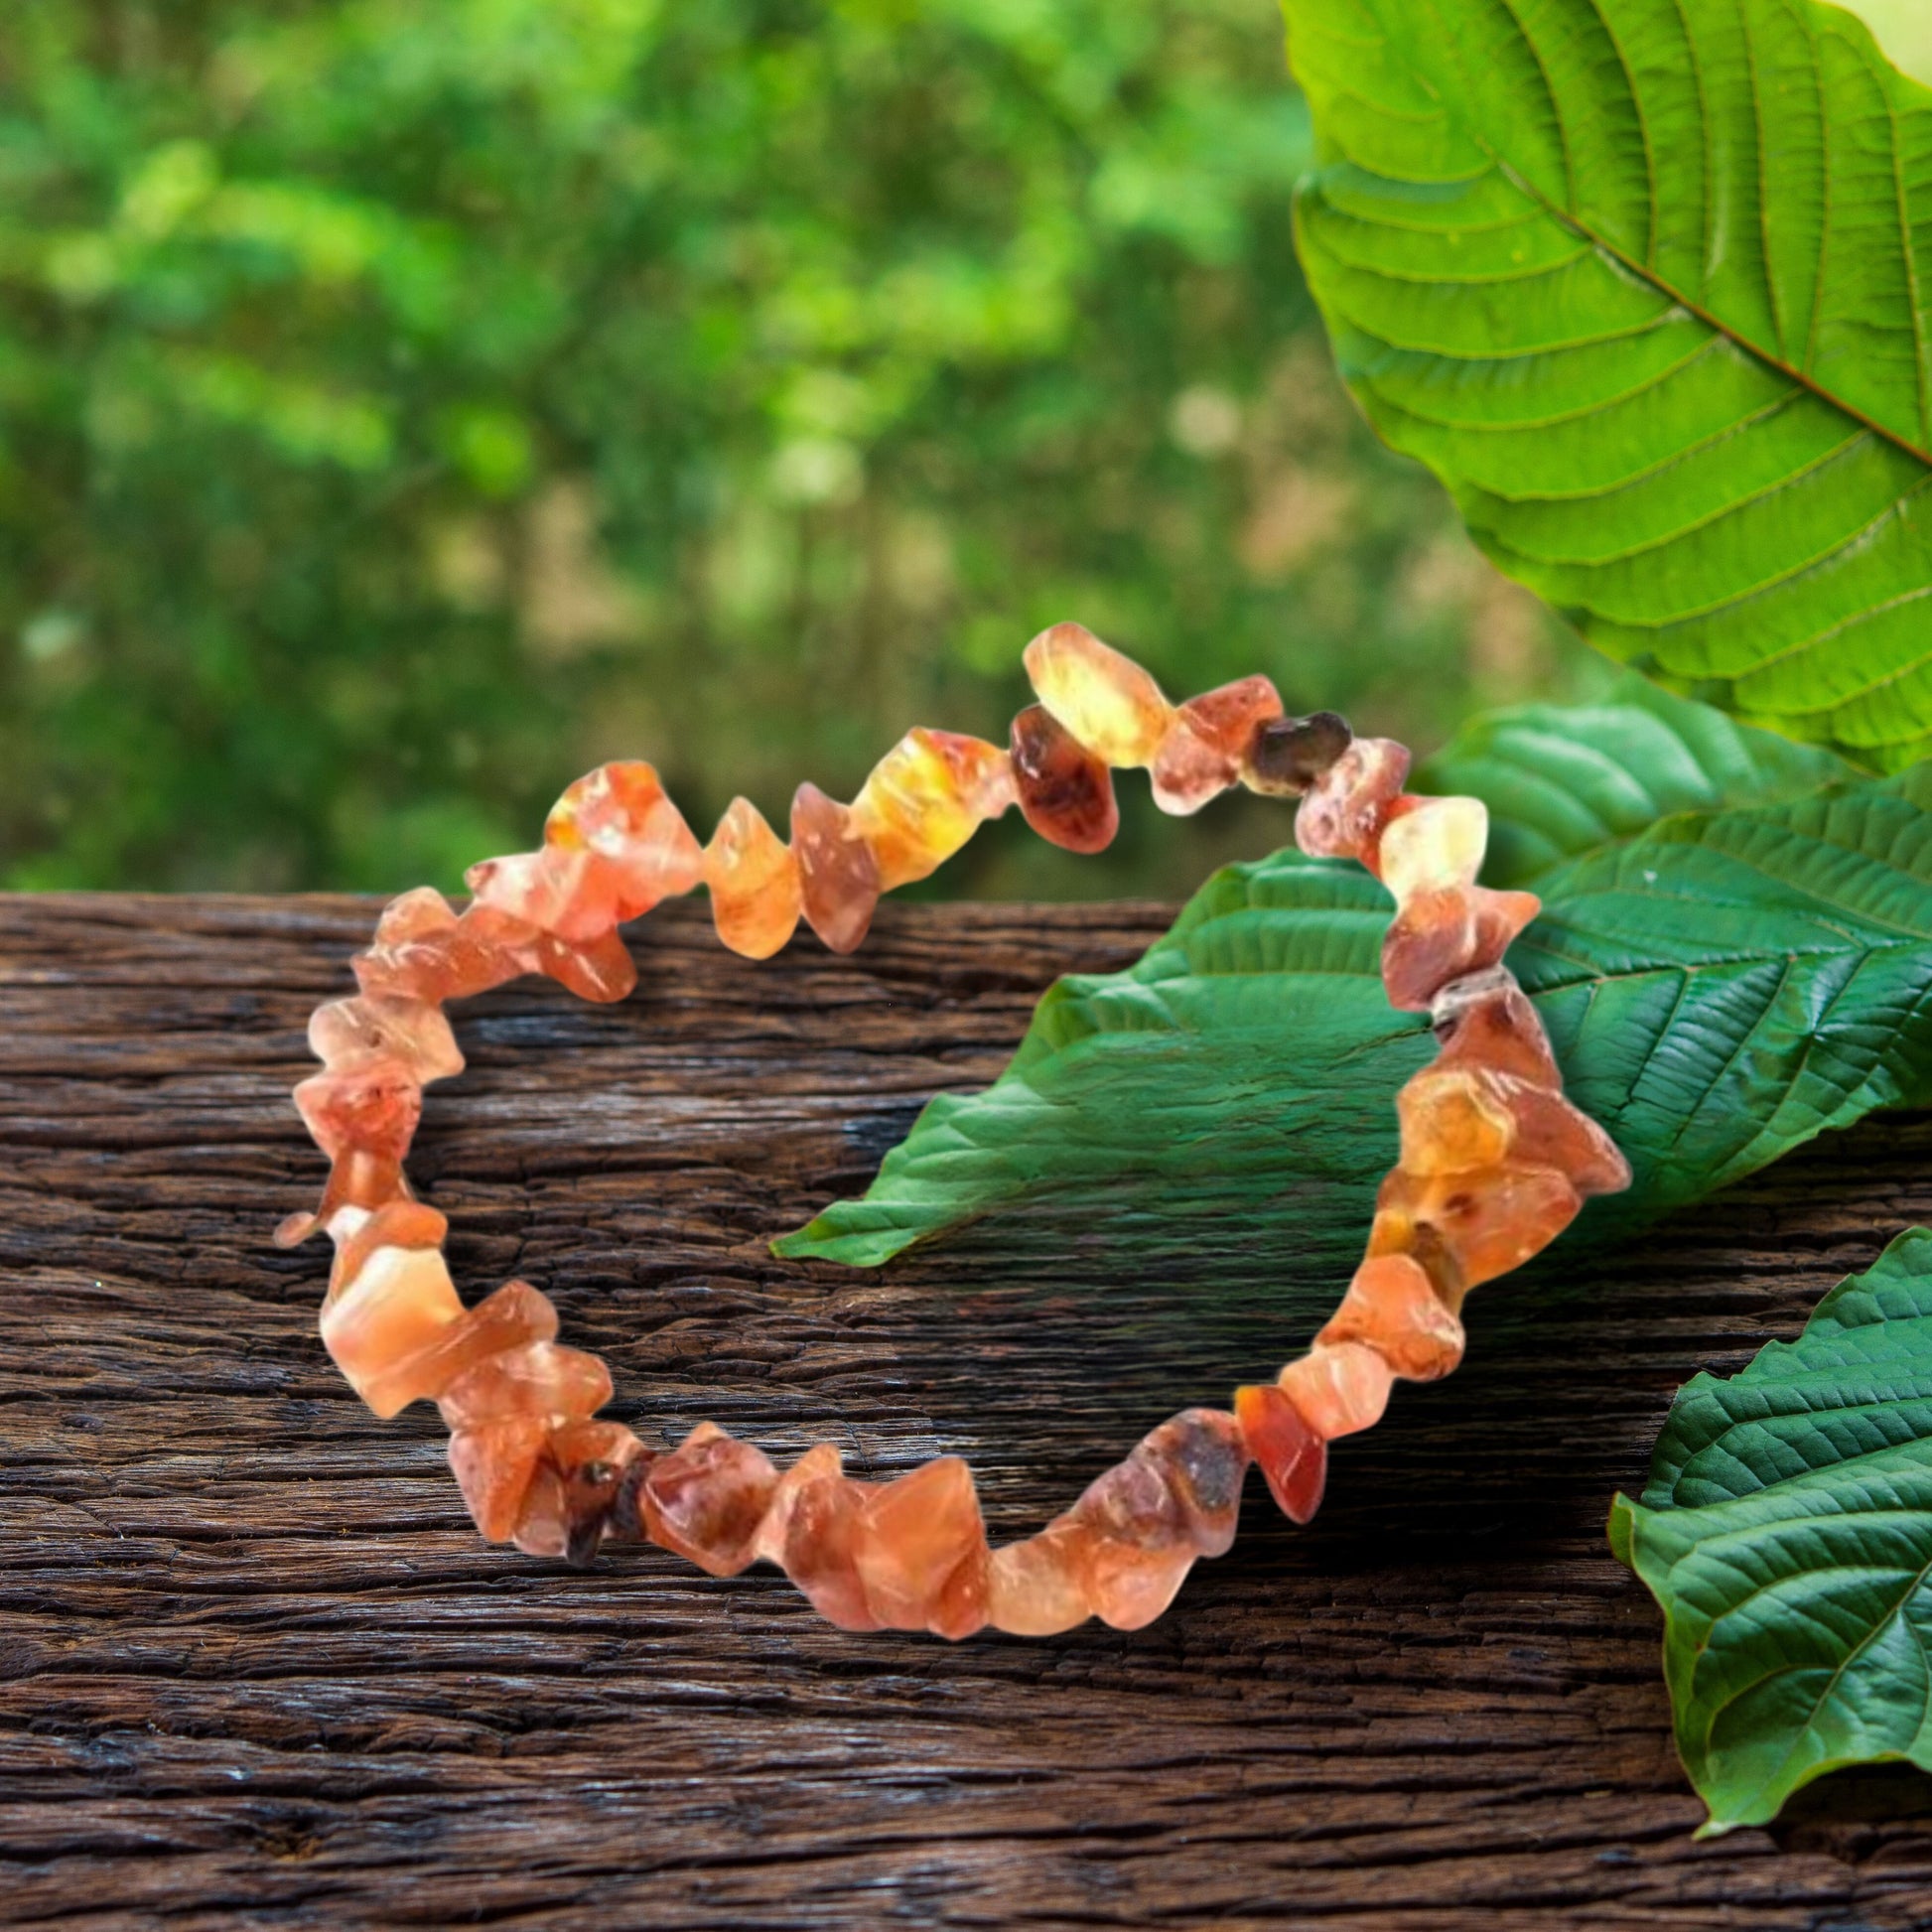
<point>1495,1165</point>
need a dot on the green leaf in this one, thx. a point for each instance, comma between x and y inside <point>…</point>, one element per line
<point>1786,1531</point>
<point>1561,779</point>
<point>1717,990</point>
<point>1646,284</point>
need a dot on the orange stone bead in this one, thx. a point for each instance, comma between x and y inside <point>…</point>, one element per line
<point>621,814</point>
<point>1200,756</point>
<point>1425,1246</point>
<point>705,1500</point>
<point>1487,1022</point>
<point>572,1490</point>
<point>1293,1458</point>
<point>398,1302</point>
<point>614,846</point>
<point>567,893</point>
<point>1344,811</point>
<point>423,950</point>
<point>753,876</point>
<point>1436,937</point>
<point>925,798</point>
<point>374,1108</point>
<point>420,951</point>
<point>1035,1588</point>
<point>1128,1583</point>
<point>495,1468</point>
<point>363,1118</point>
<point>1106,701</point>
<point>358,1182</point>
<point>1553,1132</point>
<point>578,1446</point>
<point>921,1553</point>
<point>539,1378</point>
<point>1454,1119</point>
<point>1228,716</point>
<point>597,969</point>
<point>1339,1388</point>
<point>542,1526</point>
<point>1458,1116</point>
<point>411,1033</point>
<point>981,774</point>
<point>1066,792</point>
<point>515,1314</point>
<point>838,874</point>
<point>1187,772</point>
<point>1490,1220</point>
<point>1433,845</point>
<point>812,1530</point>
<point>1138,1528</point>
<point>1392,1308</point>
<point>410,954</point>
<point>819,1464</point>
<point>395,1225</point>
<point>1203,1459</point>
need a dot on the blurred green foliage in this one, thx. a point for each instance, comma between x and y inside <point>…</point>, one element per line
<point>406,403</point>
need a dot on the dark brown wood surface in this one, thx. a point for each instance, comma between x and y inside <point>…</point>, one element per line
<point>256,1670</point>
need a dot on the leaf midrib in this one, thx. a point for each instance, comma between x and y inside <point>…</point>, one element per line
<point>1650,277</point>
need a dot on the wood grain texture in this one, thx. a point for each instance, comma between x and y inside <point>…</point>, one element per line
<point>256,1670</point>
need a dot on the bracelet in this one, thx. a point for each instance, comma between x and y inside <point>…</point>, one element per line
<point>1494,1163</point>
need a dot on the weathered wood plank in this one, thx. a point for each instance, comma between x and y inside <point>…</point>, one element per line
<point>256,1669</point>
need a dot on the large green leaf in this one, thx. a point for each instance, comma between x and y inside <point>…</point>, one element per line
<point>1646,283</point>
<point>1561,779</point>
<point>1787,1533</point>
<point>1717,990</point>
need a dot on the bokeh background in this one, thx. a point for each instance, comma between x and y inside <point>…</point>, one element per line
<point>405,404</point>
